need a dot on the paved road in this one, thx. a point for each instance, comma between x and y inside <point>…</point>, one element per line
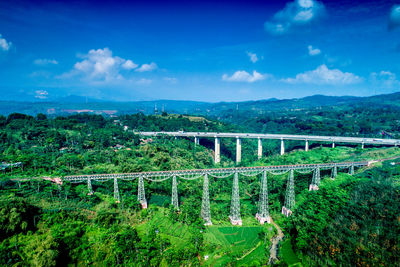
<point>317,138</point>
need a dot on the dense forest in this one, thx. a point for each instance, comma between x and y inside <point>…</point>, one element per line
<point>353,120</point>
<point>359,223</point>
<point>352,220</point>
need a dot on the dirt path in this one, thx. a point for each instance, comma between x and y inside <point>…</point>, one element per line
<point>238,259</point>
<point>273,253</point>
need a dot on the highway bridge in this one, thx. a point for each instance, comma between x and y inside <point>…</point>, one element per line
<point>221,173</point>
<point>239,136</point>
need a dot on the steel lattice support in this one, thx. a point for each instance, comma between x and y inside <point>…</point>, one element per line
<point>89,185</point>
<point>235,202</point>
<point>334,172</point>
<point>160,176</point>
<point>263,209</point>
<point>316,180</point>
<point>174,199</point>
<point>351,169</point>
<point>205,203</point>
<point>289,197</point>
<point>116,191</point>
<point>141,194</point>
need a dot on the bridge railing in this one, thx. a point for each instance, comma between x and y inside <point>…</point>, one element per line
<point>282,137</point>
<point>168,174</point>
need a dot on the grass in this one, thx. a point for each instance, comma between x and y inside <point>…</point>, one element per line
<point>176,232</point>
<point>234,242</point>
<point>255,257</point>
<point>227,243</point>
<point>287,254</point>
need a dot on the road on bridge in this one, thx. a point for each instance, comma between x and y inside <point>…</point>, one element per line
<point>316,138</point>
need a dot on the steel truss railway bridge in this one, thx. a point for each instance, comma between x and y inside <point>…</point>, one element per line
<point>206,174</point>
<point>282,137</point>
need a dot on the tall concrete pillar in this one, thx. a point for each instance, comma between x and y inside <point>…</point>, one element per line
<point>362,145</point>
<point>306,146</point>
<point>217,158</point>
<point>259,151</point>
<point>196,140</point>
<point>333,144</point>
<point>282,147</point>
<point>238,150</point>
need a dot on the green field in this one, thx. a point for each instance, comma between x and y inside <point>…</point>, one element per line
<point>238,245</point>
<point>176,232</point>
<point>287,254</point>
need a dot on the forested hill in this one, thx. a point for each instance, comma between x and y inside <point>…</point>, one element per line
<point>93,143</point>
<point>74,104</point>
<point>351,220</point>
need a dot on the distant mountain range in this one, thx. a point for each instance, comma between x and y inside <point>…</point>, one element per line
<point>76,104</point>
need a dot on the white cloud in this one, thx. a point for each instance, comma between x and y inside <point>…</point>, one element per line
<point>147,67</point>
<point>101,66</point>
<point>244,76</point>
<point>313,51</point>
<point>41,94</point>
<point>394,18</point>
<point>384,79</point>
<point>296,13</point>
<point>4,45</point>
<point>128,65</point>
<point>253,57</point>
<point>324,75</point>
<point>45,61</point>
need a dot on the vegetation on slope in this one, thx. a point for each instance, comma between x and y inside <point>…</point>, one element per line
<point>350,221</point>
<point>45,224</point>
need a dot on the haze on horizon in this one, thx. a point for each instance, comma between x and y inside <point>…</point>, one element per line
<point>203,51</point>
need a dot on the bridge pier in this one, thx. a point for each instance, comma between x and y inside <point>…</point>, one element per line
<point>351,169</point>
<point>217,158</point>
<point>205,203</point>
<point>333,144</point>
<point>238,150</point>
<point>259,151</point>
<point>362,145</point>
<point>315,180</point>
<point>287,209</point>
<point>116,190</point>
<point>235,202</point>
<point>141,193</point>
<point>90,189</point>
<point>306,146</point>
<point>282,147</point>
<point>196,140</point>
<point>174,197</point>
<point>334,172</point>
<point>263,210</point>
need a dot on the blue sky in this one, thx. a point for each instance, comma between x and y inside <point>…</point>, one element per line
<point>198,50</point>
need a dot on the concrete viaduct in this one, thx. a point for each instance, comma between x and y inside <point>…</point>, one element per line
<point>239,136</point>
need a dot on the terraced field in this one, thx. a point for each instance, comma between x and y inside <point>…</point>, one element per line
<point>176,232</point>
<point>241,242</point>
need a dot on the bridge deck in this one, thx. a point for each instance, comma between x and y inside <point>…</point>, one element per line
<point>336,139</point>
<point>161,175</point>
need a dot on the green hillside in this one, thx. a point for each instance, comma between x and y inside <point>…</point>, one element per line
<point>42,223</point>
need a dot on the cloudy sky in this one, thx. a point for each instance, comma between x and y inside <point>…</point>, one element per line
<point>198,50</point>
